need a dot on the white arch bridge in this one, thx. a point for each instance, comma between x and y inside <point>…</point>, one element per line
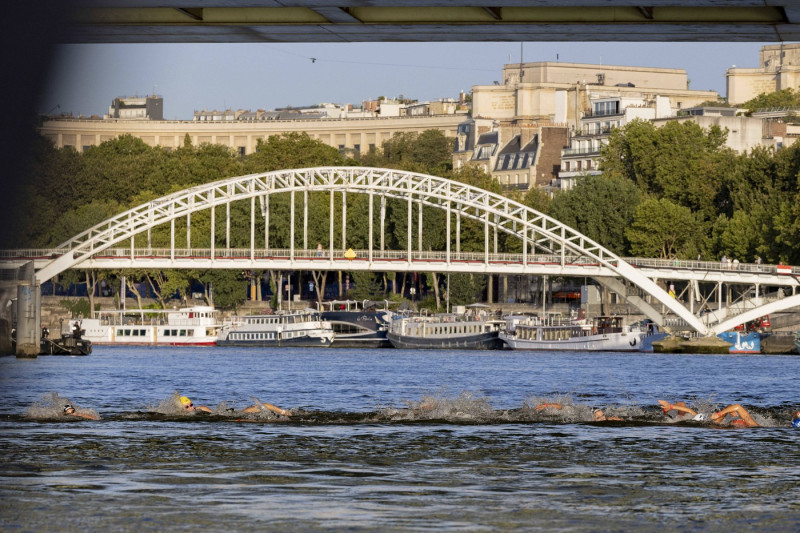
<point>548,247</point>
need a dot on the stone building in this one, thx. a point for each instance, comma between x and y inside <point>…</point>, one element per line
<point>517,156</point>
<point>357,135</point>
<point>561,93</point>
<point>778,69</point>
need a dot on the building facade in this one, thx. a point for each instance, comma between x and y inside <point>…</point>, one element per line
<point>517,156</point>
<point>137,108</point>
<point>561,93</point>
<point>778,69</point>
<point>357,135</point>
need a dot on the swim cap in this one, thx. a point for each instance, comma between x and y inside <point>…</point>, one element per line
<point>68,407</point>
<point>699,417</point>
<point>185,400</point>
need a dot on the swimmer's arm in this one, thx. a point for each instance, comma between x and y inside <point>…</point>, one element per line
<point>88,416</point>
<point>548,405</point>
<point>680,407</point>
<point>265,405</point>
<point>276,409</point>
<point>203,408</point>
<point>735,410</point>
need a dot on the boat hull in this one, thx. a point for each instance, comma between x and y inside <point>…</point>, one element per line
<point>358,329</point>
<point>742,342</point>
<point>307,342</point>
<point>610,342</point>
<point>481,341</point>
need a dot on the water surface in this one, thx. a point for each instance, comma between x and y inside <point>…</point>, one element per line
<point>395,440</point>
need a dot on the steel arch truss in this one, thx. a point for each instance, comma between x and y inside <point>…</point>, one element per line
<point>535,229</point>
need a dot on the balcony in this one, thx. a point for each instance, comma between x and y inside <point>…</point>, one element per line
<point>566,152</point>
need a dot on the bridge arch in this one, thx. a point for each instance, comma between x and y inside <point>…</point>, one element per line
<point>536,230</point>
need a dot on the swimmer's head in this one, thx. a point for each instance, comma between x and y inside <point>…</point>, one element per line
<point>186,402</point>
<point>797,415</point>
<point>598,414</point>
<point>68,409</point>
<point>699,417</point>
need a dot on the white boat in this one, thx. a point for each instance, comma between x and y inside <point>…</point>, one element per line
<point>554,332</point>
<point>449,331</point>
<point>190,326</point>
<point>292,329</point>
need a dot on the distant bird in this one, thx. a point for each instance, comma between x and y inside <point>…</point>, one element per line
<point>313,59</point>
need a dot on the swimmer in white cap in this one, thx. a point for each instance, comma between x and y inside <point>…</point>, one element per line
<point>69,410</point>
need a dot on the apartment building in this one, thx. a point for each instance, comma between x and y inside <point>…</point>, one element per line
<point>137,108</point>
<point>517,156</point>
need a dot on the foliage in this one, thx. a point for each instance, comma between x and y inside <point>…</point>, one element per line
<point>229,287</point>
<point>784,98</point>
<point>601,208</point>
<point>290,150</point>
<point>365,286</point>
<point>662,229</point>
<point>78,308</point>
<point>466,289</point>
<point>679,161</point>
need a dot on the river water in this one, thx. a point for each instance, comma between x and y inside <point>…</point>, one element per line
<point>395,440</point>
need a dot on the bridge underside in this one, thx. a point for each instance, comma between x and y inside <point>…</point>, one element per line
<point>298,21</point>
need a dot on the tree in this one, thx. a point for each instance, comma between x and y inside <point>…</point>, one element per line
<point>784,98</point>
<point>229,287</point>
<point>290,150</point>
<point>466,288</point>
<point>662,229</point>
<point>679,161</point>
<point>366,286</point>
<point>601,208</point>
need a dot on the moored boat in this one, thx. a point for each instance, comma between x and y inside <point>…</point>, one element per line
<point>189,326</point>
<point>357,328</point>
<point>554,332</point>
<point>742,342</point>
<point>450,331</point>
<point>291,329</point>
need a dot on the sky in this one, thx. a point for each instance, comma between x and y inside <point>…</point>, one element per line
<point>87,77</point>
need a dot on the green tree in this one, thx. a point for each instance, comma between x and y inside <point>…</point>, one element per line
<point>291,150</point>
<point>366,286</point>
<point>784,98</point>
<point>679,161</point>
<point>662,229</point>
<point>601,208</point>
<point>466,289</point>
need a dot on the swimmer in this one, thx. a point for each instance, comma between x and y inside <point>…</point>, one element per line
<point>542,406</point>
<point>187,405</point>
<point>740,417</point>
<point>264,405</point>
<point>600,416</point>
<point>681,411</point>
<point>597,414</point>
<point>796,420</point>
<point>69,410</point>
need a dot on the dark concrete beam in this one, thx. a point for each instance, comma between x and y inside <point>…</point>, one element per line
<point>434,20</point>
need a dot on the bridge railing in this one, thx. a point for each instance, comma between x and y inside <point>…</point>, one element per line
<point>401,255</point>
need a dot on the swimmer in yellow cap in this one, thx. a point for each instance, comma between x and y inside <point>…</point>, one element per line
<point>187,405</point>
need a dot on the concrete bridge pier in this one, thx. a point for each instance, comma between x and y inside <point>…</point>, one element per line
<point>29,313</point>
